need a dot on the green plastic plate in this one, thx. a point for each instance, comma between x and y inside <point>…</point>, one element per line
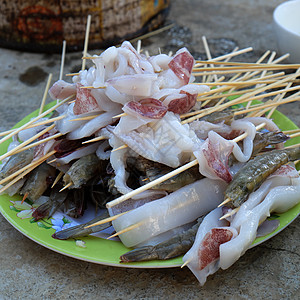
<point>107,252</point>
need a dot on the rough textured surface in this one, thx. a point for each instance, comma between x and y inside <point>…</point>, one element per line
<point>30,271</point>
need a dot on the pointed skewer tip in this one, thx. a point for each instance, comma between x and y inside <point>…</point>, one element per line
<point>66,186</point>
<point>224,202</point>
<point>185,263</point>
<point>230,213</point>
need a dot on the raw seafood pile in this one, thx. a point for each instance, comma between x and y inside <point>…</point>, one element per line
<point>119,129</point>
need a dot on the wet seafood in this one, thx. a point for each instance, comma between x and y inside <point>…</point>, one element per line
<point>83,170</point>
<point>251,176</point>
<point>80,230</point>
<point>16,162</point>
<point>55,201</point>
<point>279,199</point>
<point>38,181</point>
<point>180,207</point>
<point>153,170</point>
<point>155,93</point>
<point>203,257</point>
<point>177,245</point>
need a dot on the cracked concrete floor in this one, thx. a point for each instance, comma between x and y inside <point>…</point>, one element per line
<point>30,271</point>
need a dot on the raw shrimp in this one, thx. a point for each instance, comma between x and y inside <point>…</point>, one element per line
<point>264,139</point>
<point>261,141</point>
<point>47,209</point>
<point>17,162</point>
<point>154,170</point>
<point>253,173</point>
<point>80,230</point>
<point>83,170</point>
<point>177,245</point>
<point>38,181</point>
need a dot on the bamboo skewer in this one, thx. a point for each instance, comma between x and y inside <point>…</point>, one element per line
<point>239,69</point>
<point>11,176</point>
<point>96,139</point>
<point>62,63</point>
<point>225,56</point>
<point>29,168</point>
<point>240,99</point>
<point>126,230</point>
<point>72,74</point>
<point>224,202</point>
<point>287,100</point>
<point>86,41</point>
<point>66,186</point>
<point>52,161</point>
<point>59,176</point>
<point>294,135</point>
<point>157,181</point>
<point>229,214</point>
<point>17,130</point>
<point>207,51</point>
<point>45,93</point>
<point>284,66</point>
<point>291,131</point>
<point>107,219</point>
<point>35,124</point>
<point>220,92</point>
<point>271,58</point>
<point>49,138</point>
<point>236,78</point>
<point>87,118</point>
<point>151,184</point>
<point>14,150</point>
<point>246,76</point>
<point>120,148</point>
<point>280,97</point>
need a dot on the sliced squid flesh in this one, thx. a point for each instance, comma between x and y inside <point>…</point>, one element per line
<point>134,85</point>
<point>203,257</point>
<point>85,102</point>
<point>93,125</point>
<point>61,90</point>
<point>279,199</point>
<point>180,207</point>
<point>182,65</point>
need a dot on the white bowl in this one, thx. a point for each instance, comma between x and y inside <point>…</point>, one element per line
<point>286,23</point>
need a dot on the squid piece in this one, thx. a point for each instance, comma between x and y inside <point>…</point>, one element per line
<point>166,141</point>
<point>61,90</point>
<point>203,257</point>
<point>181,207</point>
<point>280,199</point>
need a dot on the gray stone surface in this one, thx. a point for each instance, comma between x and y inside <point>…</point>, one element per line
<point>30,271</point>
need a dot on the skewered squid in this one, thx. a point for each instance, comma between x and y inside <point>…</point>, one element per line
<point>153,93</point>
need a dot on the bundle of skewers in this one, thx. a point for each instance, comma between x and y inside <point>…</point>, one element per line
<point>181,156</point>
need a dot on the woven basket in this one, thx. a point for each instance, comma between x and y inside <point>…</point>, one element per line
<point>41,26</point>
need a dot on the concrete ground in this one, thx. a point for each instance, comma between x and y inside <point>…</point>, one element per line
<point>30,271</point>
